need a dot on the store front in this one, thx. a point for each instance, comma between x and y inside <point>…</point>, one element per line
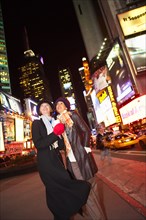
<point>15,128</point>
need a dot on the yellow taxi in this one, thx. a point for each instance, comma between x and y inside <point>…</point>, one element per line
<point>121,140</point>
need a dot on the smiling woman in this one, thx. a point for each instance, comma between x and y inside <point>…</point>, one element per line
<point>47,138</point>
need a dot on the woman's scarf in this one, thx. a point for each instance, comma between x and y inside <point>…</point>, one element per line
<point>65,118</point>
<point>49,124</point>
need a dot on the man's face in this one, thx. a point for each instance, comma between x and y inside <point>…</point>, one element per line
<point>60,107</point>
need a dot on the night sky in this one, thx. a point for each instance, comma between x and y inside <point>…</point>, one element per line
<point>53,32</point>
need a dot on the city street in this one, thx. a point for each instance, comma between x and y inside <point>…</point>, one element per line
<point>23,198</point>
<point>72,84</point>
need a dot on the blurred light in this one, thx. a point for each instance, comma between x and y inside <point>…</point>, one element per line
<point>84,58</point>
<point>81,68</point>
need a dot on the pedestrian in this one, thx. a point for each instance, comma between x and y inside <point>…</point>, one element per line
<point>64,196</point>
<point>100,144</point>
<point>79,158</point>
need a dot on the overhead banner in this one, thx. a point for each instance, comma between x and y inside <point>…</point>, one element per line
<point>134,110</point>
<point>133,21</point>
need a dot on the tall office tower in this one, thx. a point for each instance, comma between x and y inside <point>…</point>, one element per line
<point>4,69</point>
<point>32,78</point>
<point>66,85</point>
<point>92,27</point>
<point>33,81</point>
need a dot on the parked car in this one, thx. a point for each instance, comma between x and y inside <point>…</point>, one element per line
<point>121,140</point>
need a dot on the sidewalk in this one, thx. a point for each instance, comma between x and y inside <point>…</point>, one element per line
<point>126,177</point>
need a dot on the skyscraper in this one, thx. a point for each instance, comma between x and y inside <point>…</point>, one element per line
<point>67,86</point>
<point>33,81</point>
<point>92,27</point>
<point>4,69</point>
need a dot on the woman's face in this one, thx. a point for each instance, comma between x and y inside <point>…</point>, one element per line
<point>45,109</point>
<point>60,107</point>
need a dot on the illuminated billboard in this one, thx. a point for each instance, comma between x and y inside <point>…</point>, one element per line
<point>72,102</point>
<point>19,129</point>
<point>10,103</point>
<point>122,82</point>
<point>101,78</point>
<point>31,109</point>
<point>97,109</point>
<point>27,129</point>
<point>133,21</point>
<point>134,110</point>
<point>9,129</point>
<point>105,107</point>
<point>137,50</point>
<point>2,148</point>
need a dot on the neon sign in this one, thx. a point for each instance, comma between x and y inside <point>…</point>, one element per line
<point>114,105</point>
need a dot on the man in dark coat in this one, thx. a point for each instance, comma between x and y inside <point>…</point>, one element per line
<point>80,161</point>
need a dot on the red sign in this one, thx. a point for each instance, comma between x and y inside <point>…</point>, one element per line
<point>14,148</point>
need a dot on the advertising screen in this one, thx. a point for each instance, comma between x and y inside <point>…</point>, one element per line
<point>137,51</point>
<point>97,109</point>
<point>107,111</point>
<point>10,103</point>
<point>19,129</point>
<point>27,129</point>
<point>105,107</point>
<point>133,21</point>
<point>9,129</point>
<point>121,79</point>
<point>72,102</point>
<point>31,109</point>
<point>2,148</point>
<point>101,78</point>
<point>134,110</point>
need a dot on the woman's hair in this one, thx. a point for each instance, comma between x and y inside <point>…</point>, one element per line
<point>45,101</point>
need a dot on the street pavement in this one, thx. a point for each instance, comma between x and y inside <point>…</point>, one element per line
<point>126,177</point>
<point>23,198</point>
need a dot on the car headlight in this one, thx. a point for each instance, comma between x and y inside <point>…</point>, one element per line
<point>119,141</point>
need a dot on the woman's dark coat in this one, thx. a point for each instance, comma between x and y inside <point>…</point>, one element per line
<point>79,137</point>
<point>64,196</point>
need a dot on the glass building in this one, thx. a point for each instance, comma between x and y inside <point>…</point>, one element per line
<point>67,86</point>
<point>4,69</point>
<point>33,81</point>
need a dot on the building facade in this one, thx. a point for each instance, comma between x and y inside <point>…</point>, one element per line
<point>5,84</point>
<point>33,81</point>
<point>66,84</point>
<point>116,55</point>
<point>92,28</point>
